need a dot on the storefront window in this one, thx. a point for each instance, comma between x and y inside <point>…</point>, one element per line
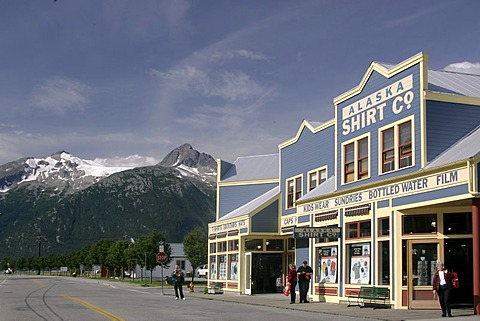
<point>384,263</point>
<point>254,245</point>
<point>457,223</point>
<point>327,265</point>
<point>233,272</point>
<point>291,244</point>
<point>274,245</point>
<point>222,267</point>
<point>383,226</point>
<point>418,224</point>
<point>359,229</point>
<point>358,263</point>
<point>213,267</point>
<point>222,246</point>
<point>213,247</point>
<point>233,245</point>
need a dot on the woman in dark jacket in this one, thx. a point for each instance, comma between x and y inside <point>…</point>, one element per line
<point>442,285</point>
<point>292,280</point>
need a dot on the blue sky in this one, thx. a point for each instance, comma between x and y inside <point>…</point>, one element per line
<point>128,81</point>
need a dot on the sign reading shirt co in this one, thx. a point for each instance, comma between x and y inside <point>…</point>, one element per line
<point>316,232</point>
<point>370,109</point>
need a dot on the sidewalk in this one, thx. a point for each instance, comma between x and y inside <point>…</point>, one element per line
<point>278,300</point>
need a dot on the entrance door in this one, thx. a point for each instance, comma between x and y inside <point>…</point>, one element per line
<point>248,273</point>
<point>422,259</point>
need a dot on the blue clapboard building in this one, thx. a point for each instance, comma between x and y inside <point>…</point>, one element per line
<point>395,175</point>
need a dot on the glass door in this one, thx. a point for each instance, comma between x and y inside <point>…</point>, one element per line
<point>248,273</point>
<point>422,259</point>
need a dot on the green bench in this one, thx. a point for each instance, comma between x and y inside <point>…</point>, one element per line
<point>215,288</point>
<point>369,295</point>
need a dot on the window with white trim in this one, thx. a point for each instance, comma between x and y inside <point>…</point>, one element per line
<point>294,190</point>
<point>356,160</point>
<point>396,146</point>
<point>316,177</point>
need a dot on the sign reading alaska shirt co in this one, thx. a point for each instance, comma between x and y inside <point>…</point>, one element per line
<point>397,97</point>
<point>409,187</point>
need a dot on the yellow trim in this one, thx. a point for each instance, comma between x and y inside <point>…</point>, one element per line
<point>94,308</point>
<point>306,124</point>
<point>418,58</point>
<point>217,190</point>
<point>355,158</point>
<point>423,110</point>
<point>293,178</point>
<point>449,98</point>
<point>316,170</point>
<point>421,173</point>
<point>395,125</point>
<point>252,182</point>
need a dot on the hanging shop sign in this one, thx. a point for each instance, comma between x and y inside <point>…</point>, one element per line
<point>316,232</point>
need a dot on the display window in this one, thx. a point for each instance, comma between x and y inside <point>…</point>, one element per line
<point>327,263</point>
<point>358,263</point>
<point>213,267</point>
<point>222,267</point>
<point>233,272</point>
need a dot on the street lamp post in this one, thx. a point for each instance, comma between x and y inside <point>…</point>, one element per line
<point>161,248</point>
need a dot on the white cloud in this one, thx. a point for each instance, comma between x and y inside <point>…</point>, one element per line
<point>228,85</point>
<point>464,67</point>
<point>128,161</point>
<point>59,95</point>
<point>239,53</point>
<point>175,14</point>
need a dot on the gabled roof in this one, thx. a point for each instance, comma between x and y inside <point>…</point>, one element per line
<point>467,147</point>
<point>177,249</point>
<point>249,168</point>
<point>313,126</point>
<point>253,204</point>
<point>454,83</point>
<point>326,187</point>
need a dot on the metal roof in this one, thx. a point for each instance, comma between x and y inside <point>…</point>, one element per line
<point>454,83</point>
<point>253,168</point>
<point>253,204</point>
<point>177,249</point>
<point>326,187</point>
<point>468,146</point>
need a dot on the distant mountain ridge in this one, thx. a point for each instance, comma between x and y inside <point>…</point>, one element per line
<point>74,202</point>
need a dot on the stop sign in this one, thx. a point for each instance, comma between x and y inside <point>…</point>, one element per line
<point>162,257</point>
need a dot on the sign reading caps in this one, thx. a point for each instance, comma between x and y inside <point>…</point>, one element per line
<point>316,232</point>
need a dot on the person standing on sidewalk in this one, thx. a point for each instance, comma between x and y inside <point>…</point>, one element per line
<point>178,278</point>
<point>292,280</point>
<point>442,285</point>
<point>304,274</point>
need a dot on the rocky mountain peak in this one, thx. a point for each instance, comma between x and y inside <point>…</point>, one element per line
<point>186,155</point>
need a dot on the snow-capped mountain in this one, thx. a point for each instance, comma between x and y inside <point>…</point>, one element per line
<point>60,171</point>
<point>63,172</point>
<point>73,202</point>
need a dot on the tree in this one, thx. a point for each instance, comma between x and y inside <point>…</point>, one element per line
<point>195,247</point>
<point>149,245</point>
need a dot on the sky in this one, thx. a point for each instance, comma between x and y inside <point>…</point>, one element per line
<point>125,82</point>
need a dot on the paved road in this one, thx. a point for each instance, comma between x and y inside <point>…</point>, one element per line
<point>32,298</point>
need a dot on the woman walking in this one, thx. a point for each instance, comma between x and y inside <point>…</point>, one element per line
<point>292,280</point>
<point>442,285</point>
